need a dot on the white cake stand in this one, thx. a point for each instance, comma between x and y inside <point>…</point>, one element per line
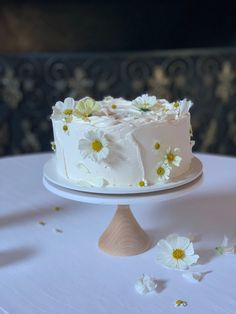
<point>124,236</point>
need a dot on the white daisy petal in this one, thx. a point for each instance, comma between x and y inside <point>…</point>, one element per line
<point>176,150</point>
<point>59,105</point>
<point>171,236</point>
<point>224,249</point>
<point>145,284</point>
<point>184,107</point>
<point>225,241</point>
<point>173,240</point>
<point>183,242</point>
<point>165,245</point>
<point>84,145</point>
<point>189,249</point>
<point>177,161</point>
<point>193,276</point>
<point>181,264</point>
<point>91,135</point>
<point>69,102</point>
<point>191,259</point>
<point>56,115</point>
<point>171,263</point>
<point>103,153</point>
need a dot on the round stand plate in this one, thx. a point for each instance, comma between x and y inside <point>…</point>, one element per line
<point>51,174</point>
<point>124,236</point>
<point>114,199</point>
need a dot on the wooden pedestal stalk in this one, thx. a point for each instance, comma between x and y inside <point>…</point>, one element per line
<point>124,236</point>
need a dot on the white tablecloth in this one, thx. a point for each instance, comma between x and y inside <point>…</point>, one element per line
<point>43,271</point>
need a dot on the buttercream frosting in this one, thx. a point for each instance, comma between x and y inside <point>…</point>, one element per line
<point>117,142</point>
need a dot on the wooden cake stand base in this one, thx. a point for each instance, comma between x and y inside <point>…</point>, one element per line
<point>124,236</point>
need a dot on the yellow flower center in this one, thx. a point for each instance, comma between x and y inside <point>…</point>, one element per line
<point>145,107</point>
<point>65,128</point>
<point>113,106</point>
<point>97,145</point>
<point>157,146</point>
<point>176,105</point>
<point>68,112</point>
<point>160,171</point>
<point>84,114</point>
<point>170,157</point>
<point>178,254</point>
<point>141,183</point>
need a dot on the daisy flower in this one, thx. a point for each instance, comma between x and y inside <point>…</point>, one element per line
<point>142,183</point>
<point>172,158</point>
<point>176,252</point>
<point>64,110</point>
<point>86,107</point>
<point>145,102</point>
<point>163,172</point>
<point>94,146</point>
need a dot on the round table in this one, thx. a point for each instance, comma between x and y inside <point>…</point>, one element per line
<point>50,262</point>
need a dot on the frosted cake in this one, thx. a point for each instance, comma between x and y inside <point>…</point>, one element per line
<point>120,143</point>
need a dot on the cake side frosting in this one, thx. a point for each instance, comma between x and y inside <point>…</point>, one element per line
<point>116,142</point>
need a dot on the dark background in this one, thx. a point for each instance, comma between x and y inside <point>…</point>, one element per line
<point>50,50</point>
<point>75,26</point>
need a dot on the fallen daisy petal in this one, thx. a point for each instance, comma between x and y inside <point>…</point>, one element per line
<point>180,303</point>
<point>224,249</point>
<point>145,284</point>
<point>193,277</point>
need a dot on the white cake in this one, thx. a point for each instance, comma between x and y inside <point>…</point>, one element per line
<point>121,143</point>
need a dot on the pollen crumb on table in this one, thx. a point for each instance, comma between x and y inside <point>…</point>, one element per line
<point>56,208</point>
<point>42,223</point>
<point>58,230</point>
<point>180,303</point>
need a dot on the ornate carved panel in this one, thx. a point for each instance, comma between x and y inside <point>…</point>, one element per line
<point>30,84</point>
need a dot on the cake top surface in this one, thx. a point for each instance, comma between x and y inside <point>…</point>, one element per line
<point>144,108</point>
